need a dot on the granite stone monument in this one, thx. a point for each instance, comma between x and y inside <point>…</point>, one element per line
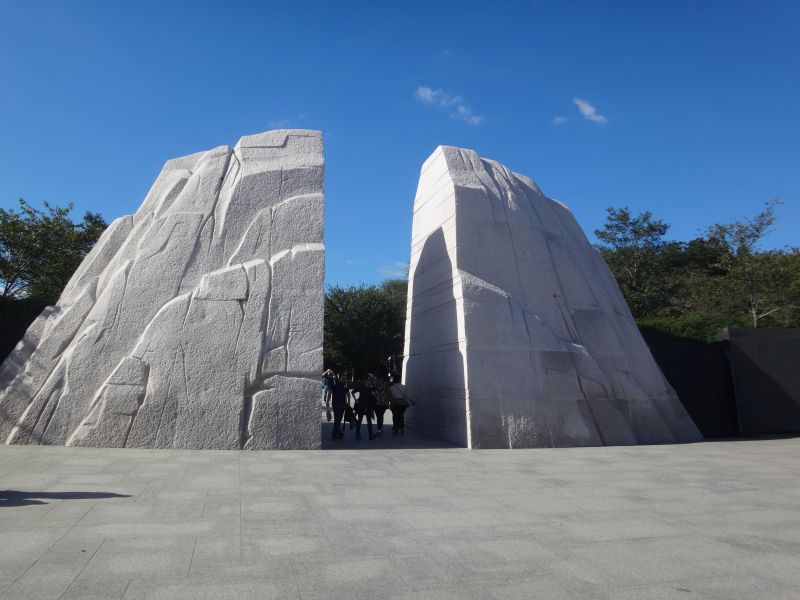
<point>195,322</point>
<point>517,335</point>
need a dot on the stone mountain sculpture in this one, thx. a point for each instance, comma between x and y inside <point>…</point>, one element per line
<point>194,323</point>
<point>517,334</point>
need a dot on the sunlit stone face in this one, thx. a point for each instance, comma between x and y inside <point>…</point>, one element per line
<point>517,334</point>
<point>194,323</point>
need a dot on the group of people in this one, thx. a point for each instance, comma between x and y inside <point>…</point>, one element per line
<point>371,398</point>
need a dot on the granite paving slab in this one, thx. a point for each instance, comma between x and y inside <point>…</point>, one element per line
<point>405,519</point>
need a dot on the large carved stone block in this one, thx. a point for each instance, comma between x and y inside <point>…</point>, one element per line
<point>517,334</point>
<point>194,323</point>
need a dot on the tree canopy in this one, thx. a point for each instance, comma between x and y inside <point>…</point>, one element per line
<point>633,247</point>
<point>695,288</point>
<point>40,249</point>
<point>689,289</point>
<point>364,325</point>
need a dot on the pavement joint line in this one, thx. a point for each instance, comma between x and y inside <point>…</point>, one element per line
<point>50,547</point>
<point>143,490</point>
<point>133,468</point>
<point>191,560</point>
<point>241,508</point>
<point>83,568</point>
<point>294,577</point>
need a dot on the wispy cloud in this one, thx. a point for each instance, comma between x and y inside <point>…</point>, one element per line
<point>350,261</point>
<point>280,124</point>
<point>396,269</point>
<point>558,120</point>
<point>589,111</point>
<point>453,103</point>
<point>438,97</point>
<point>466,115</point>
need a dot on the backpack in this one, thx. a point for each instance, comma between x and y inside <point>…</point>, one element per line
<point>382,398</point>
<point>399,395</point>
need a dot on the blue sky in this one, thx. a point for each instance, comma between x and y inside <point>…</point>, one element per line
<point>688,109</point>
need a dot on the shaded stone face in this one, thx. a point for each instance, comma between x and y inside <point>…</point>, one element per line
<point>194,323</point>
<point>517,334</point>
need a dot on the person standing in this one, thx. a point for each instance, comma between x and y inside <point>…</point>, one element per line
<point>340,395</point>
<point>365,406</point>
<point>382,403</point>
<point>328,379</point>
<point>400,401</point>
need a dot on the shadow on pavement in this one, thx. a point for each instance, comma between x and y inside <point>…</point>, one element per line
<point>15,498</point>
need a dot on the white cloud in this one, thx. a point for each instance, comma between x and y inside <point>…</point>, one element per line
<point>280,124</point>
<point>454,103</point>
<point>465,114</point>
<point>396,269</point>
<point>426,94</point>
<point>350,261</point>
<point>589,111</point>
<point>558,120</point>
<point>438,97</point>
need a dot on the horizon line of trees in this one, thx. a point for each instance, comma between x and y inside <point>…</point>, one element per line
<point>676,290</point>
<point>687,289</point>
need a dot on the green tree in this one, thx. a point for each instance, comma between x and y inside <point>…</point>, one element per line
<point>686,270</point>
<point>40,249</point>
<point>693,289</point>
<point>632,247</point>
<point>364,325</point>
<point>785,280</point>
<point>751,278</point>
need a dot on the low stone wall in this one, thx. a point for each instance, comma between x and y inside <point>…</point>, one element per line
<point>701,376</point>
<point>764,364</point>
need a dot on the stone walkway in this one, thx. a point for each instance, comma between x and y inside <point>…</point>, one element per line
<point>709,520</point>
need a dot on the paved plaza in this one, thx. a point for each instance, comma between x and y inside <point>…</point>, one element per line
<point>706,520</point>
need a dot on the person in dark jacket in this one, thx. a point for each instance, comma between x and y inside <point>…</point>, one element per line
<point>382,403</point>
<point>365,405</point>
<point>340,398</point>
